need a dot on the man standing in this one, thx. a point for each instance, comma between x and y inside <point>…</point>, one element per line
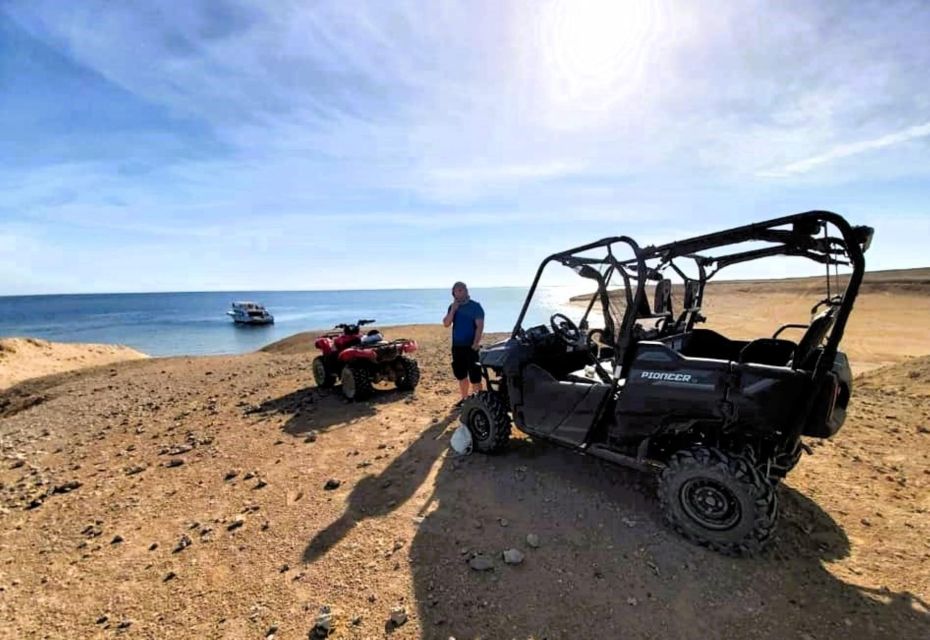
<point>467,319</point>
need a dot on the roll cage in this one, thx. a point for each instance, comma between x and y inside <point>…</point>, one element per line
<point>805,235</point>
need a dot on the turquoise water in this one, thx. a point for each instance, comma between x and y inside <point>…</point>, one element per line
<point>162,324</point>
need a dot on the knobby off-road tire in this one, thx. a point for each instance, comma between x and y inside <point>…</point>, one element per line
<point>485,415</point>
<point>718,500</point>
<point>356,383</point>
<point>409,376</point>
<point>323,378</point>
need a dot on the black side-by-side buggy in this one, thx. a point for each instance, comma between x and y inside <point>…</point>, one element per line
<point>641,385</point>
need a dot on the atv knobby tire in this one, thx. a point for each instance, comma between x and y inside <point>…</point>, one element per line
<point>356,383</point>
<point>408,374</point>
<point>323,378</point>
<point>485,415</point>
<point>718,500</point>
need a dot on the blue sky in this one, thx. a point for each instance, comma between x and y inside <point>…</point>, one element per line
<point>255,144</point>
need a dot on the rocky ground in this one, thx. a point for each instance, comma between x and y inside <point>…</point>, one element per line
<point>227,497</point>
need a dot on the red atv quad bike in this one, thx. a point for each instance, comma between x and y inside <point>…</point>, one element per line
<point>359,361</point>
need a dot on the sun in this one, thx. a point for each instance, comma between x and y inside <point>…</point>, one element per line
<point>596,50</point>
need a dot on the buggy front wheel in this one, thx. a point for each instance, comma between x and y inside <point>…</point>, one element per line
<point>485,415</point>
<point>718,500</point>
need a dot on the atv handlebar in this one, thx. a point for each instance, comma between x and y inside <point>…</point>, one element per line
<point>353,327</point>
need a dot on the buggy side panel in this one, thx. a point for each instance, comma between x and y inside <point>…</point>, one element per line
<point>767,398</point>
<point>664,388</point>
<point>559,409</point>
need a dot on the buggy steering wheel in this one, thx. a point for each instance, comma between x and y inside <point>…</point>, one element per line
<point>565,329</point>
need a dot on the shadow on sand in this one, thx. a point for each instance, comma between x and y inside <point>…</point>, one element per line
<point>378,495</point>
<point>312,409</point>
<point>608,568</point>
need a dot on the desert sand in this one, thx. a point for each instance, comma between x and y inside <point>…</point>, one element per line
<point>186,498</point>
<point>24,358</point>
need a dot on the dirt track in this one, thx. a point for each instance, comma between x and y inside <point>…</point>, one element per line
<point>270,546</point>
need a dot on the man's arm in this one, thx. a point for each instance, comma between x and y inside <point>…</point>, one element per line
<point>447,321</point>
<point>479,329</point>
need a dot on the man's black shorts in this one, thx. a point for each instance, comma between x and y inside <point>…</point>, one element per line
<point>465,364</point>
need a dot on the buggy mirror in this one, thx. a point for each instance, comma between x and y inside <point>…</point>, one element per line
<point>864,237</point>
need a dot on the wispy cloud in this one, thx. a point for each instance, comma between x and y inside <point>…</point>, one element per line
<point>242,123</point>
<point>847,150</point>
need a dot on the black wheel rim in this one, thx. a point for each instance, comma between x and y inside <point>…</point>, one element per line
<point>710,503</point>
<point>480,425</point>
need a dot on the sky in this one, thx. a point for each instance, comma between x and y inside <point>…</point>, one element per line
<point>283,144</point>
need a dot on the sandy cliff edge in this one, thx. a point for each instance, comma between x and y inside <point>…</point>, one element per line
<point>24,358</point>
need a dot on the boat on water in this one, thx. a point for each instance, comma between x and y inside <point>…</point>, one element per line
<point>250,313</point>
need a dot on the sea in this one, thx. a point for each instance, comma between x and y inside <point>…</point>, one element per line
<point>195,323</point>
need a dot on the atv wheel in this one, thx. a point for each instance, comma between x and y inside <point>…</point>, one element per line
<point>324,379</point>
<point>409,375</point>
<point>486,417</point>
<point>356,383</point>
<point>718,500</point>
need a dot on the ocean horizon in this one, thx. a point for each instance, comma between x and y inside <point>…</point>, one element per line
<point>195,322</point>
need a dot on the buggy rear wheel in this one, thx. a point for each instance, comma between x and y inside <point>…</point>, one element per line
<point>485,415</point>
<point>356,383</point>
<point>323,378</point>
<point>718,500</point>
<point>408,374</point>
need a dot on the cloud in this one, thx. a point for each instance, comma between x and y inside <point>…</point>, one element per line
<point>847,150</point>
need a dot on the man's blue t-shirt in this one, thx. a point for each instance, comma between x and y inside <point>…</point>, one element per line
<point>463,323</point>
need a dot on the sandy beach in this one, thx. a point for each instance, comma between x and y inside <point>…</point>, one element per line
<point>185,497</point>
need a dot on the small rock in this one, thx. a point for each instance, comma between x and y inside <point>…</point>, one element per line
<point>249,475</point>
<point>323,624</point>
<point>273,629</point>
<point>502,522</point>
<point>331,484</point>
<point>182,544</point>
<point>116,539</point>
<point>153,546</point>
<point>284,568</point>
<point>481,563</point>
<point>513,556</point>
<point>102,619</point>
<point>67,487</point>
<point>171,575</point>
<point>866,522</point>
<point>398,616</point>
<point>174,462</point>
<point>311,436</point>
<point>125,624</point>
<point>532,540</point>
<point>237,522</point>
<point>133,470</point>
<point>232,473</point>
<point>356,621</point>
<point>261,484</point>
<point>632,601</point>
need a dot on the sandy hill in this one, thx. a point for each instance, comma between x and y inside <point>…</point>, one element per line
<point>186,497</point>
<point>23,358</point>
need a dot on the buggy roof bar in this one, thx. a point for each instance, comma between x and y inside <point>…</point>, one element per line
<point>800,240</point>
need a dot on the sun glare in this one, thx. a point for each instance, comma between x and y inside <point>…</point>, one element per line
<point>595,50</point>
